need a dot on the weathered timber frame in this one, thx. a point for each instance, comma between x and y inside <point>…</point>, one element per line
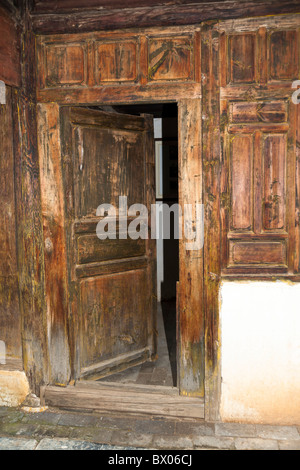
<point>187,93</point>
<point>197,84</point>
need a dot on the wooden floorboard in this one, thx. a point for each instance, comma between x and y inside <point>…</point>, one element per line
<point>121,398</point>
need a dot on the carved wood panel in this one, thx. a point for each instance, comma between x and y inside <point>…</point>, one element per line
<point>283,53</point>
<point>65,65</point>
<point>170,58</point>
<point>264,55</point>
<point>258,120</point>
<point>117,59</point>
<point>242,53</point>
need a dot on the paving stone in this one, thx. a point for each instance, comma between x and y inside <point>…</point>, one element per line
<point>221,443</point>
<point>30,430</point>
<point>125,438</point>
<point>39,431</point>
<point>4,411</point>
<point>194,429</point>
<point>7,443</point>
<point>77,419</point>
<point>55,432</point>
<point>289,445</point>
<point>127,424</point>
<point>11,429</point>
<point>256,444</point>
<point>235,430</point>
<point>278,432</point>
<point>67,444</point>
<point>84,430</point>
<point>160,427</point>
<point>100,436</point>
<point>45,418</point>
<point>173,442</point>
<point>14,416</point>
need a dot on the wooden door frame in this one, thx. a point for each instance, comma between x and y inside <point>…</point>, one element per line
<point>192,289</point>
<point>199,182</point>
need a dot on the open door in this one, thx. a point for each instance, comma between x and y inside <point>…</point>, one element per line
<point>112,282</point>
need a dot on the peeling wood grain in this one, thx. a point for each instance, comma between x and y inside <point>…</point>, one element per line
<point>211,154</point>
<point>54,239</point>
<point>136,400</point>
<point>10,315</point>
<point>191,319</point>
<point>121,95</point>
<point>29,221</point>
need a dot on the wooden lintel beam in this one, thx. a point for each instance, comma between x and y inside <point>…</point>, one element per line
<point>166,15</point>
<point>68,6</point>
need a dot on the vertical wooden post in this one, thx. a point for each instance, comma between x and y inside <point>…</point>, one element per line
<point>56,291</point>
<point>191,320</point>
<point>211,153</point>
<point>29,221</point>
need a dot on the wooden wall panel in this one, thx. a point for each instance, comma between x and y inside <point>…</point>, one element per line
<point>284,55</point>
<point>274,171</point>
<point>10,314</point>
<point>170,58</point>
<point>10,44</point>
<point>259,217</point>
<point>246,112</point>
<point>242,50</point>
<point>241,169</point>
<point>116,62</point>
<point>65,65</point>
<point>243,253</point>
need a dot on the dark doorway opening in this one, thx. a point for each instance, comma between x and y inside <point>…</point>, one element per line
<point>163,371</point>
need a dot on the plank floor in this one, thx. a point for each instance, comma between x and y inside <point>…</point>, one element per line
<point>163,371</point>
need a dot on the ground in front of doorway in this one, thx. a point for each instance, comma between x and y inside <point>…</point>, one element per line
<point>66,430</point>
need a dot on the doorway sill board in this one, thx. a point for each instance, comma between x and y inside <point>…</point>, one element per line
<point>122,398</point>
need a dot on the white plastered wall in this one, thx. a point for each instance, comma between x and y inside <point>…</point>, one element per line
<point>260,352</point>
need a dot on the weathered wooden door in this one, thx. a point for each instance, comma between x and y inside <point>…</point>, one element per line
<point>112,282</point>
